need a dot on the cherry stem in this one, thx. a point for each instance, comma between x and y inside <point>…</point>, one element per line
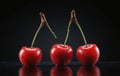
<point>74,19</point>
<point>43,22</point>
<point>78,25</point>
<point>34,38</point>
<point>51,31</point>
<point>68,30</point>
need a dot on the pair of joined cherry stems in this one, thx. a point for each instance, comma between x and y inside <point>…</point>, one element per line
<point>60,54</point>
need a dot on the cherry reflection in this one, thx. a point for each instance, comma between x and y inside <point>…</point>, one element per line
<point>88,71</point>
<point>30,71</point>
<point>61,71</point>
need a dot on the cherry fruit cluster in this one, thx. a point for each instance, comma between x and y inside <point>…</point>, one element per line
<point>60,54</point>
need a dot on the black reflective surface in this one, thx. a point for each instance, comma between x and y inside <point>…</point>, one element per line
<point>48,69</point>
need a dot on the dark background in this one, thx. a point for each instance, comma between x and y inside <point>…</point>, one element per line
<point>19,20</point>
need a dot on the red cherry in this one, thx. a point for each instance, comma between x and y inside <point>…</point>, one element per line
<point>61,71</point>
<point>29,71</point>
<point>30,56</point>
<point>88,55</point>
<point>60,54</point>
<point>88,71</point>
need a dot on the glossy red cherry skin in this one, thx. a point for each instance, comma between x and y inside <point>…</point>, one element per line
<point>61,71</point>
<point>88,71</point>
<point>30,56</point>
<point>60,54</point>
<point>88,55</point>
<point>30,71</point>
